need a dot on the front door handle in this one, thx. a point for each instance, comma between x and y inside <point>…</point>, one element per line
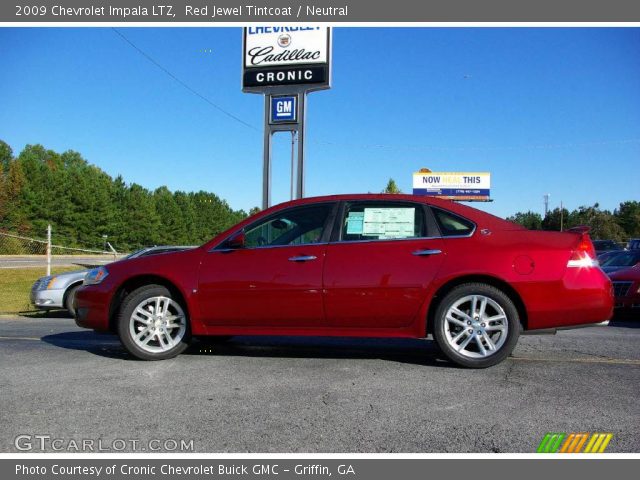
<point>424,253</point>
<point>302,258</point>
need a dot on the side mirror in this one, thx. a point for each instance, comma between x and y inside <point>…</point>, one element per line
<point>236,241</point>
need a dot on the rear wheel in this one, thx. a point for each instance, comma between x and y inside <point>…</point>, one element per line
<point>152,324</point>
<point>476,325</point>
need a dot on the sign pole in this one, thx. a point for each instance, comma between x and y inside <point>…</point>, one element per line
<point>302,100</point>
<point>293,153</point>
<point>285,64</point>
<point>266,165</point>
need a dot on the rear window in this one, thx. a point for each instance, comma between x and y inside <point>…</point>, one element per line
<point>451,224</point>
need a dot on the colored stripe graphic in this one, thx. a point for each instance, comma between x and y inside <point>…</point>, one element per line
<point>551,442</point>
<point>573,442</point>
<point>598,442</point>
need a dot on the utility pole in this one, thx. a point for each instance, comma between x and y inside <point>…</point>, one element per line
<point>561,216</point>
<point>48,250</point>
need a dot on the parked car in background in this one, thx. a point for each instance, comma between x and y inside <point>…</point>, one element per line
<point>634,244</point>
<point>620,260</point>
<point>604,256</point>
<point>602,246</point>
<point>58,291</point>
<point>626,287</point>
<point>356,265</point>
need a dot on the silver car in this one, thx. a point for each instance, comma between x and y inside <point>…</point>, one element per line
<point>57,291</point>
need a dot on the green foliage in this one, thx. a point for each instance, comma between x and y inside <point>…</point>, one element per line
<point>622,224</point>
<point>628,215</point>
<point>530,220</point>
<point>6,154</point>
<point>83,203</point>
<point>392,187</point>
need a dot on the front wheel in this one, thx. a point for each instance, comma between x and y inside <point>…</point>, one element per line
<point>68,299</point>
<point>152,324</point>
<point>476,325</point>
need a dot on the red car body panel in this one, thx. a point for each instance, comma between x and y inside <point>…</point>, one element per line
<point>360,288</point>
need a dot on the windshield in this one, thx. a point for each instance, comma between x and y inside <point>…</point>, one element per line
<point>623,259</point>
<point>135,254</point>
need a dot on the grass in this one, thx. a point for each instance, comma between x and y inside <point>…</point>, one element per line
<point>15,286</point>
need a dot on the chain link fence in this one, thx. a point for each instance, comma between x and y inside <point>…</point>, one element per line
<point>24,260</point>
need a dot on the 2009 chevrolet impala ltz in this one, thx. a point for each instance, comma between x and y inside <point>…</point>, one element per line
<point>355,265</point>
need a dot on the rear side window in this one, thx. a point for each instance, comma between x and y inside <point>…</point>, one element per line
<point>382,221</point>
<point>451,224</point>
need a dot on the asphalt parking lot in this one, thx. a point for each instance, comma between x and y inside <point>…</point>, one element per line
<point>283,394</point>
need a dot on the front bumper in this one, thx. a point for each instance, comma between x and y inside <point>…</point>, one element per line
<point>631,300</point>
<point>92,307</point>
<point>46,299</point>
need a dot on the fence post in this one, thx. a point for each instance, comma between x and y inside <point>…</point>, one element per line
<point>48,250</point>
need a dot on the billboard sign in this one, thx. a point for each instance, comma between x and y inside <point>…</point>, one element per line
<point>453,185</point>
<point>276,56</point>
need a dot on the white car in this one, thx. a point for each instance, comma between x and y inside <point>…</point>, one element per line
<point>57,291</point>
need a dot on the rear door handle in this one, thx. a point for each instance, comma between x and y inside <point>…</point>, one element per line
<point>302,258</point>
<point>424,253</point>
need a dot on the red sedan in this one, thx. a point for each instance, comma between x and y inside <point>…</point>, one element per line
<point>626,287</point>
<point>356,265</point>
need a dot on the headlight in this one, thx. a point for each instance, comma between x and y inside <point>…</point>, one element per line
<point>95,276</point>
<point>51,283</point>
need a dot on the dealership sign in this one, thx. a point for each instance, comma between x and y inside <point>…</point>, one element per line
<point>283,109</point>
<point>286,56</point>
<point>453,185</point>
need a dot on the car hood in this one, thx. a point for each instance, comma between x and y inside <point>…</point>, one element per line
<point>72,274</point>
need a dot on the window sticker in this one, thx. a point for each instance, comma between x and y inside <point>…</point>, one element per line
<point>389,222</point>
<point>354,223</point>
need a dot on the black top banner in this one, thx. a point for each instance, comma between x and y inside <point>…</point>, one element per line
<point>348,11</point>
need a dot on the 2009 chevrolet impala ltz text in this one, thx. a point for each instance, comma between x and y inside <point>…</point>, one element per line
<point>356,265</point>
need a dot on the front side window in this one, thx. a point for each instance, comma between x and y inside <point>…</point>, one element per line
<point>382,221</point>
<point>295,226</point>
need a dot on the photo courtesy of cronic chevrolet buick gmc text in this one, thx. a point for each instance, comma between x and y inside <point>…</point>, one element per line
<point>356,265</point>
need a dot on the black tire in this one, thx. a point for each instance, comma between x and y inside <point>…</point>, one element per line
<point>494,294</point>
<point>126,310</point>
<point>69,295</point>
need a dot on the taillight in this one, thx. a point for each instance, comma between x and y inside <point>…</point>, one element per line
<point>584,255</point>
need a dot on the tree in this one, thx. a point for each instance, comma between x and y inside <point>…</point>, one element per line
<point>603,224</point>
<point>392,187</point>
<point>254,210</point>
<point>529,220</point>
<point>628,217</point>
<point>556,220</point>
<point>172,231</point>
<point>6,155</point>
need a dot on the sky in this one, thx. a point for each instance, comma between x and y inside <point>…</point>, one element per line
<point>545,110</point>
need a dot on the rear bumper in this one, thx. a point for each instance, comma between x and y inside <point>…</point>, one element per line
<point>92,307</point>
<point>583,296</point>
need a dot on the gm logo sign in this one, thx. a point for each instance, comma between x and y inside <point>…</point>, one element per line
<point>283,109</point>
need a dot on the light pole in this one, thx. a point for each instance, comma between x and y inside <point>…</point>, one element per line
<point>546,203</point>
